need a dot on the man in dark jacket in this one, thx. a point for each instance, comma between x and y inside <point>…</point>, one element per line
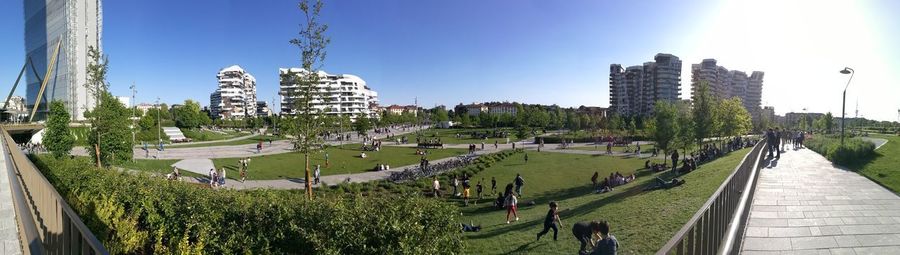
<point>675,162</point>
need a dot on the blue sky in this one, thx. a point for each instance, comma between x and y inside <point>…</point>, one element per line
<point>447,52</point>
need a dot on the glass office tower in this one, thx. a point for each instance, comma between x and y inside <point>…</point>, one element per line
<point>78,24</point>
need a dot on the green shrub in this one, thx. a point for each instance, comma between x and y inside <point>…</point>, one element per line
<point>853,151</point>
<point>137,214</point>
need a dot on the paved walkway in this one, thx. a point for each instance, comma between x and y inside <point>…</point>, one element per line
<point>803,204</point>
<point>230,151</point>
<point>9,229</point>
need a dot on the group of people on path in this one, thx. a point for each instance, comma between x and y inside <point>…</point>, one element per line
<point>777,140</point>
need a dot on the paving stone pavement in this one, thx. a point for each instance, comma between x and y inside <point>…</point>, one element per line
<point>199,166</point>
<point>9,230</point>
<point>805,205</point>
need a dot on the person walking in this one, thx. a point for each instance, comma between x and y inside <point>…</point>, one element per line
<point>455,185</point>
<point>478,189</point>
<point>316,174</point>
<point>212,177</point>
<point>436,187</point>
<point>243,174</point>
<point>777,141</point>
<point>770,142</point>
<point>594,179</point>
<point>675,162</point>
<point>511,204</point>
<point>519,181</point>
<point>551,221</point>
<point>493,185</point>
<point>526,158</point>
<point>466,186</point>
<point>222,179</point>
<point>326,160</point>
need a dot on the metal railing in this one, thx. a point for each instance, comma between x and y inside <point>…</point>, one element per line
<point>714,228</point>
<point>47,224</point>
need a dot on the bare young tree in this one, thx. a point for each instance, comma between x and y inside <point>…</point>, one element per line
<point>309,119</point>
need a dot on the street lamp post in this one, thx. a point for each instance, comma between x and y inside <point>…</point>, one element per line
<point>849,71</point>
<point>158,124</point>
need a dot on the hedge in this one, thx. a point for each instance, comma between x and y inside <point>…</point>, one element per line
<point>137,214</point>
<point>854,149</point>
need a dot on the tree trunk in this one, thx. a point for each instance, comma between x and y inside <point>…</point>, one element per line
<point>309,192</point>
<point>97,152</point>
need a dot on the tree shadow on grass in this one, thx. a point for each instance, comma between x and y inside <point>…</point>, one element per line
<point>558,195</point>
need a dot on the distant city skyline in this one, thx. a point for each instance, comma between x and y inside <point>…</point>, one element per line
<point>526,51</point>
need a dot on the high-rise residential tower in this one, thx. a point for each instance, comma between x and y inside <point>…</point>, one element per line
<point>725,84</point>
<point>236,95</point>
<point>341,94</point>
<point>77,25</point>
<point>634,90</point>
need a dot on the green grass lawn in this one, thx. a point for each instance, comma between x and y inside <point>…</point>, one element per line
<point>342,160</point>
<point>644,148</point>
<point>883,167</point>
<point>251,140</point>
<point>198,135</point>
<point>448,136</point>
<point>643,221</point>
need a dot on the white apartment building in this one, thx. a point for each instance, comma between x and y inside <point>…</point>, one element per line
<point>336,94</point>
<point>635,90</point>
<point>236,95</point>
<point>726,84</point>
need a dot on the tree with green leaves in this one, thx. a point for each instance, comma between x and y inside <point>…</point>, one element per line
<point>828,120</point>
<point>312,43</point>
<point>440,114</point>
<point>734,118</point>
<point>703,113</point>
<point>664,125</point>
<point>362,124</point>
<point>57,137</point>
<point>111,124</point>
<point>188,115</point>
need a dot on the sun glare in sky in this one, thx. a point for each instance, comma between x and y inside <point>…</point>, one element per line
<point>802,46</point>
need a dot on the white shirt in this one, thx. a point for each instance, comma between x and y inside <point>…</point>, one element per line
<point>436,185</point>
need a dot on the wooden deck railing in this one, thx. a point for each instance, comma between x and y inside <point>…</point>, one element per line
<point>47,224</point>
<point>716,227</point>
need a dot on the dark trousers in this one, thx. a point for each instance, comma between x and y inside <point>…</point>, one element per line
<point>674,165</point>
<point>585,242</point>
<point>547,228</point>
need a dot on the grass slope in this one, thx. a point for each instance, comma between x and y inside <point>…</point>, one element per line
<point>251,140</point>
<point>199,135</point>
<point>343,160</point>
<point>642,221</point>
<point>448,136</point>
<point>883,167</point>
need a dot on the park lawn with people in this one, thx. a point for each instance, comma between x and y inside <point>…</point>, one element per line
<point>883,165</point>
<point>642,221</point>
<point>343,159</point>
<point>250,140</point>
<point>448,136</point>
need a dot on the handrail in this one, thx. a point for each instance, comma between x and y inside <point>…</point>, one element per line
<point>61,229</point>
<point>28,233</point>
<point>709,227</point>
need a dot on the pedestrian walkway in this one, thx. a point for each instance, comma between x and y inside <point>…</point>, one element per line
<point>804,204</point>
<point>9,231</point>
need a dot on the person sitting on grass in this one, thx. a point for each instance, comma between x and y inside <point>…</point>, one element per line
<point>470,228</point>
<point>604,186</point>
<point>662,184</point>
<point>362,155</point>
